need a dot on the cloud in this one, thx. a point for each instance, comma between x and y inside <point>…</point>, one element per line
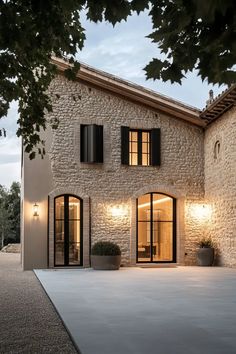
<point>9,172</point>
<point>8,159</point>
<point>10,165</point>
<point>10,122</point>
<point>10,149</point>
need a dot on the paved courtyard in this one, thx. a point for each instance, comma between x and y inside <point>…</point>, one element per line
<point>184,310</point>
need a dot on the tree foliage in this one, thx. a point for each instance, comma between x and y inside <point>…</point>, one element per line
<point>191,34</point>
<point>194,34</point>
<point>10,214</point>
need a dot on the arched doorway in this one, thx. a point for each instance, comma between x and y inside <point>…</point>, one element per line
<point>68,250</point>
<point>156,228</point>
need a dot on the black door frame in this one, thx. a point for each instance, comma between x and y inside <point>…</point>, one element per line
<point>66,231</point>
<point>174,253</point>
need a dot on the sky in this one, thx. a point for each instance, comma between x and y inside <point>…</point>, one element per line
<point>123,51</point>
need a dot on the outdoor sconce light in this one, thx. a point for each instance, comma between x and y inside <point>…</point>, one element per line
<point>35,210</point>
<point>118,211</point>
<point>201,212</point>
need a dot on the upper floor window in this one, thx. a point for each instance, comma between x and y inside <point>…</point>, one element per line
<point>140,147</point>
<point>91,146</point>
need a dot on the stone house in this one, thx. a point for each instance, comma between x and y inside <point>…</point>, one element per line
<point>132,166</point>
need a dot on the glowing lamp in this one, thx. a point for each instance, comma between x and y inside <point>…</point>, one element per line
<point>201,212</point>
<point>35,210</point>
<point>118,211</point>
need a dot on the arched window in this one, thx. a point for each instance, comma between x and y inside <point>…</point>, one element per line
<point>68,231</point>
<point>156,235</point>
<point>216,150</point>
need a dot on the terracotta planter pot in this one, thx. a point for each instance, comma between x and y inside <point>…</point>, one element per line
<point>205,256</point>
<point>105,262</point>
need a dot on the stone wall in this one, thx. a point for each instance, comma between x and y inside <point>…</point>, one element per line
<point>112,184</point>
<point>220,185</point>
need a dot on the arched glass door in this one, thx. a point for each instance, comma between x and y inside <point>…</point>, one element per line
<point>68,231</point>
<point>156,228</point>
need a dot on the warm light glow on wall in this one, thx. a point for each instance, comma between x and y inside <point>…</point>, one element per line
<point>201,212</point>
<point>118,211</point>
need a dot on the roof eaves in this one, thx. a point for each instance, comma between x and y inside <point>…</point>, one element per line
<point>220,105</point>
<point>135,92</point>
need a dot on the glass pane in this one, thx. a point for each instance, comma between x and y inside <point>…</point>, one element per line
<point>162,241</point>
<point>144,159</point>
<point>59,253</point>
<point>145,136</point>
<point>74,231</point>
<point>60,208</point>
<point>144,207</point>
<point>162,208</point>
<point>145,148</point>
<point>134,147</point>
<point>59,230</point>
<point>133,159</point>
<point>144,254</point>
<point>133,136</point>
<point>74,253</point>
<point>74,208</point>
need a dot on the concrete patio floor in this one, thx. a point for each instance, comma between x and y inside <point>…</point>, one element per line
<point>184,310</point>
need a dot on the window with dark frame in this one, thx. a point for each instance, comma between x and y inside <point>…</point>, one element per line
<point>91,143</point>
<point>156,228</point>
<point>140,147</point>
<point>68,249</point>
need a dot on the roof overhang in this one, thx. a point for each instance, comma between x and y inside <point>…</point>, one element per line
<point>220,105</point>
<point>133,92</point>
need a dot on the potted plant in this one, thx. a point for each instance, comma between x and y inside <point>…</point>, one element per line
<point>205,252</point>
<point>105,255</point>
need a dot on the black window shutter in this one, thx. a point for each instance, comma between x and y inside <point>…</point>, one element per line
<point>125,145</point>
<point>99,143</point>
<point>156,147</point>
<point>91,146</point>
<point>91,143</point>
<point>83,143</point>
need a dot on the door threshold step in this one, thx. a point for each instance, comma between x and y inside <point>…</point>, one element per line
<point>163,265</point>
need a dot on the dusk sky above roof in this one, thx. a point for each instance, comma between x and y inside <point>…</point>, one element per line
<point>122,51</point>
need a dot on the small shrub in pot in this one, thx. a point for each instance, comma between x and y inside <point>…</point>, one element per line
<point>205,252</point>
<point>105,255</point>
<point>205,243</point>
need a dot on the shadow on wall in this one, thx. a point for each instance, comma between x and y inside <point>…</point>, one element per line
<point>218,258</point>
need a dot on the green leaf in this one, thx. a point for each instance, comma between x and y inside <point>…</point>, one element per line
<point>153,69</point>
<point>139,5</point>
<point>70,74</point>
<point>173,74</point>
<point>32,155</point>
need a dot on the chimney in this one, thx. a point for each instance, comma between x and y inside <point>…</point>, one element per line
<point>3,132</point>
<point>211,98</point>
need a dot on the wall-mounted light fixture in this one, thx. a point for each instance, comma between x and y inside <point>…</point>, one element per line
<point>35,210</point>
<point>118,211</point>
<point>201,212</point>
